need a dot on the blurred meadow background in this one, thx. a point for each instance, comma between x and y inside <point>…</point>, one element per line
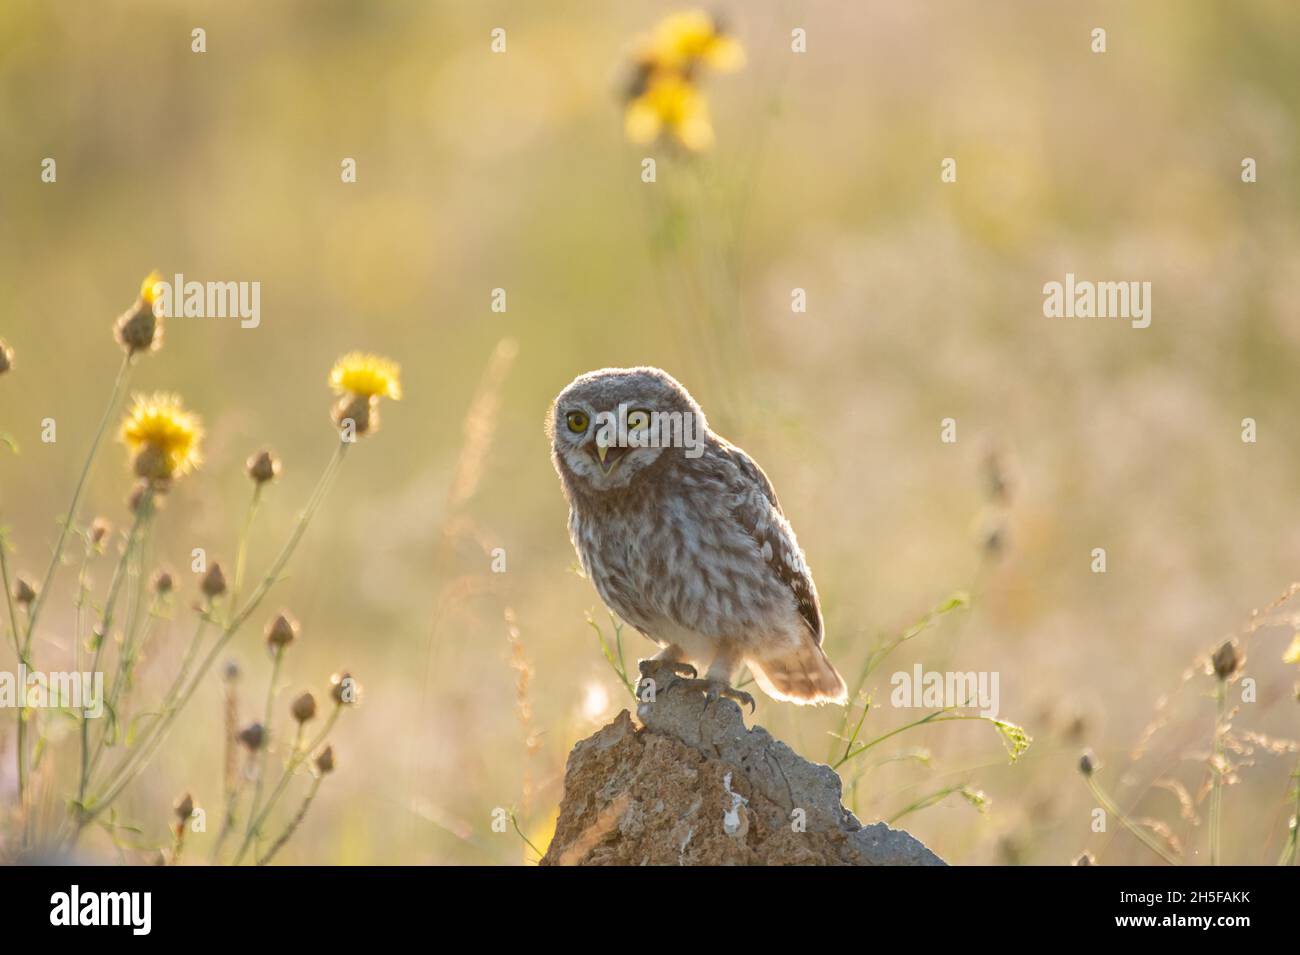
<point>479,171</point>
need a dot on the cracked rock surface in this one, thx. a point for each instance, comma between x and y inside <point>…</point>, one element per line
<point>694,786</point>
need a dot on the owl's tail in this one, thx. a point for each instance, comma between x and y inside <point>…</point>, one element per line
<point>801,675</point>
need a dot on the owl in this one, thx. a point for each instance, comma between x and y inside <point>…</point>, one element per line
<point>682,535</point>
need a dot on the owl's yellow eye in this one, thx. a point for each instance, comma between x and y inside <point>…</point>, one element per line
<point>577,421</point>
<point>638,419</point>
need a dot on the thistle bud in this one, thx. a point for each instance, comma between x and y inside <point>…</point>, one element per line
<point>361,410</point>
<point>344,690</point>
<point>138,329</point>
<point>99,530</point>
<point>325,761</point>
<point>1087,764</point>
<point>1227,661</point>
<point>304,708</point>
<point>163,583</point>
<point>1085,858</point>
<point>281,632</point>
<point>253,736</point>
<point>184,807</point>
<point>214,582</point>
<point>24,593</point>
<point>262,467</point>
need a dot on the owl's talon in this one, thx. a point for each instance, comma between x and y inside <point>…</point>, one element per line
<point>649,668</point>
<point>713,689</point>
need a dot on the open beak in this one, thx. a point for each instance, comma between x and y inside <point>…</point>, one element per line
<point>607,456</point>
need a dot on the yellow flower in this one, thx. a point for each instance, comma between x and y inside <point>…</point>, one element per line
<point>369,376</point>
<point>682,40</point>
<point>148,288</point>
<point>669,104</point>
<point>361,380</point>
<point>161,437</point>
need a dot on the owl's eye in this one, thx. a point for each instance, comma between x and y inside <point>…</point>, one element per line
<point>577,421</point>
<point>638,419</point>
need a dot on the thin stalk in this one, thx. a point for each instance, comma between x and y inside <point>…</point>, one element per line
<point>297,758</point>
<point>142,515</point>
<point>1142,835</point>
<point>1216,768</point>
<point>295,823</point>
<point>130,768</point>
<point>265,755</point>
<point>241,555</point>
<point>71,517</point>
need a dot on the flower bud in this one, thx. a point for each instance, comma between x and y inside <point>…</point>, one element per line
<point>214,582</point>
<point>138,329</point>
<point>344,690</point>
<point>262,467</point>
<point>163,583</point>
<point>1087,763</point>
<point>6,357</point>
<point>253,736</point>
<point>325,761</point>
<point>24,593</point>
<point>99,530</point>
<point>184,807</point>
<point>304,708</point>
<point>1227,661</point>
<point>281,632</point>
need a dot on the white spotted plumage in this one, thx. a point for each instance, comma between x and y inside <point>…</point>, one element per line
<point>689,545</point>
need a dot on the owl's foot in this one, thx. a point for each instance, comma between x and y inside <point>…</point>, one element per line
<point>650,668</point>
<point>713,689</point>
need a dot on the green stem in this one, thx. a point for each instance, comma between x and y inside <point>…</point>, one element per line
<point>1216,769</point>
<point>1142,835</point>
<point>131,767</point>
<point>297,758</point>
<point>70,519</point>
<point>142,514</point>
<point>295,823</point>
<point>241,556</point>
<point>265,755</point>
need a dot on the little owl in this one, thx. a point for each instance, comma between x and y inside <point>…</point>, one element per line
<point>682,535</point>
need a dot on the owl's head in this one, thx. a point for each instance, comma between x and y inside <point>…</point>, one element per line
<point>609,427</point>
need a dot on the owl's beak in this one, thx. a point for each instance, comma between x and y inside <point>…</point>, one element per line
<point>606,455</point>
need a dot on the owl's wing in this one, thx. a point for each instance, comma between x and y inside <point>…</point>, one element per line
<point>759,512</point>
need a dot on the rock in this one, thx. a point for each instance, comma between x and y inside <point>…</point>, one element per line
<point>695,786</point>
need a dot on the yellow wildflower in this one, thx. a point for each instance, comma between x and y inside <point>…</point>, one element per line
<point>161,437</point>
<point>360,380</point>
<point>683,40</point>
<point>358,373</point>
<point>670,104</point>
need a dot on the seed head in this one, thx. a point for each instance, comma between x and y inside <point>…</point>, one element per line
<point>214,582</point>
<point>24,593</point>
<point>184,807</point>
<point>163,583</point>
<point>281,632</point>
<point>1227,661</point>
<point>325,761</point>
<point>344,690</point>
<point>253,736</point>
<point>304,708</point>
<point>262,467</point>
